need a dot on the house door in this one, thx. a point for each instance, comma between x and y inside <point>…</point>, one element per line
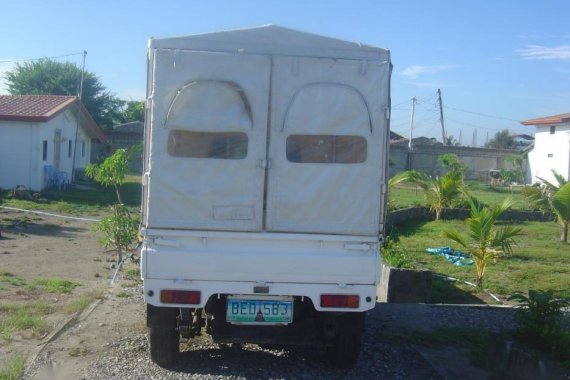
<point>57,148</point>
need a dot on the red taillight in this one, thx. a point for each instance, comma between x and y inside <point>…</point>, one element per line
<point>180,296</point>
<point>350,301</point>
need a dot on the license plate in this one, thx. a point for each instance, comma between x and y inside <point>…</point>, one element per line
<point>259,311</point>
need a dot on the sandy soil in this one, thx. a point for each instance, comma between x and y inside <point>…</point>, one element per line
<point>34,246</point>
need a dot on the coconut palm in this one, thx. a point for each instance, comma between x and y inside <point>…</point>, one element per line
<point>441,191</point>
<point>561,207</point>
<point>484,241</point>
<point>542,197</point>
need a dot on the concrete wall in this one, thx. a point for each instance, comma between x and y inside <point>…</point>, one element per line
<point>425,159</point>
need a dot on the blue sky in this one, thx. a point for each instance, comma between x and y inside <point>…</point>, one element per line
<point>496,62</point>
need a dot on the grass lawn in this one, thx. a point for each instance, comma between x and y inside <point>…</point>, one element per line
<point>409,195</point>
<point>95,201</point>
<point>540,261</point>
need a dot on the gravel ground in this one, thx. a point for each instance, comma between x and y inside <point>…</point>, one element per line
<point>127,356</point>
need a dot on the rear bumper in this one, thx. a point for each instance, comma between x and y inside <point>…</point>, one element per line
<point>366,293</point>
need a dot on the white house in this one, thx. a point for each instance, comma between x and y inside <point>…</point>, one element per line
<point>39,132</point>
<point>551,148</point>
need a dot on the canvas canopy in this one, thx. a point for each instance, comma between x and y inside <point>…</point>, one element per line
<point>266,129</point>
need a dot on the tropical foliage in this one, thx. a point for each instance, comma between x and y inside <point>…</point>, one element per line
<point>553,198</point>
<point>120,229</point>
<point>485,242</point>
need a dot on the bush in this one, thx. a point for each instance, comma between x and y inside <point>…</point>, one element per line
<point>540,323</point>
<point>394,255</point>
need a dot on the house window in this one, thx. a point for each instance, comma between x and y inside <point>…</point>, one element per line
<point>550,155</point>
<point>69,147</point>
<point>327,149</point>
<point>552,129</point>
<point>83,148</point>
<point>44,150</point>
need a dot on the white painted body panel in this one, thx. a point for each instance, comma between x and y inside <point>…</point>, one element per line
<point>221,226</point>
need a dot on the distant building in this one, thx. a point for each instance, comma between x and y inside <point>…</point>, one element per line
<point>41,133</point>
<point>551,147</point>
<point>122,136</point>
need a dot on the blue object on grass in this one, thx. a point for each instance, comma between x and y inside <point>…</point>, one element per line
<point>455,257</point>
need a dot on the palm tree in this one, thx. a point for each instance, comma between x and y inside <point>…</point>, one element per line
<point>441,191</point>
<point>487,242</point>
<point>561,207</point>
<point>543,198</point>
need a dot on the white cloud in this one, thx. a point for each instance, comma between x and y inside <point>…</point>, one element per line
<point>561,52</point>
<point>414,72</point>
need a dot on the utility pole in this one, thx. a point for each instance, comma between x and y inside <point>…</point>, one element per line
<point>412,122</point>
<point>78,118</point>
<point>410,147</point>
<point>443,137</point>
<point>460,137</point>
<point>474,142</point>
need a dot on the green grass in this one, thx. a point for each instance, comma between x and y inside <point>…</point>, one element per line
<point>81,202</point>
<point>540,260</point>
<point>13,369</point>
<point>7,278</point>
<point>26,316</point>
<point>409,195</point>
<point>124,294</point>
<point>79,304</point>
<point>54,285</point>
<point>133,274</point>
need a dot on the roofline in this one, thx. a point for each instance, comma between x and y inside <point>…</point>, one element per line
<point>41,118</point>
<point>555,119</point>
<point>87,120</point>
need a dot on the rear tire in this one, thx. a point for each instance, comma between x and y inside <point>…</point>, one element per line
<point>164,345</point>
<point>164,336</point>
<point>346,346</point>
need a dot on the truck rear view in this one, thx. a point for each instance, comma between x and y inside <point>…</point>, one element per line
<point>264,189</point>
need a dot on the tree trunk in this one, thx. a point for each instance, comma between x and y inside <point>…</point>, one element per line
<point>437,214</point>
<point>564,236</point>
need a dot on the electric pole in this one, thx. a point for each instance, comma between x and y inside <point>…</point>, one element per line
<point>443,137</point>
<point>412,122</point>
<point>78,119</point>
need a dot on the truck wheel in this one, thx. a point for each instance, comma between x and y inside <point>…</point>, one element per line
<point>345,347</point>
<point>164,345</point>
<point>164,337</point>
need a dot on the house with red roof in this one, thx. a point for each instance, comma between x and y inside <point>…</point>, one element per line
<point>551,147</point>
<point>41,135</point>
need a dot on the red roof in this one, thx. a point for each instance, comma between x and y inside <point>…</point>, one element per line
<point>42,108</point>
<point>555,119</point>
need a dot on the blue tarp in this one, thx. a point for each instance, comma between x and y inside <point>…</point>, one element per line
<point>455,257</point>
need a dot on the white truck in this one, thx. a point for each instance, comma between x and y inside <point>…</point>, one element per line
<point>264,189</point>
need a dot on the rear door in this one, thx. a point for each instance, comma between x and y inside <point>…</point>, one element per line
<point>327,145</point>
<point>208,140</point>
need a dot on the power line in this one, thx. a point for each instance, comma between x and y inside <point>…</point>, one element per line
<point>37,59</point>
<point>482,114</point>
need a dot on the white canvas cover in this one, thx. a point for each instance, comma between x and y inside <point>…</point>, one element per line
<point>267,91</point>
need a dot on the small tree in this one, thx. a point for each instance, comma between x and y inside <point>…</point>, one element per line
<point>442,191</point>
<point>549,197</point>
<point>561,207</point>
<point>111,172</point>
<point>120,229</point>
<point>453,163</point>
<point>488,242</point>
